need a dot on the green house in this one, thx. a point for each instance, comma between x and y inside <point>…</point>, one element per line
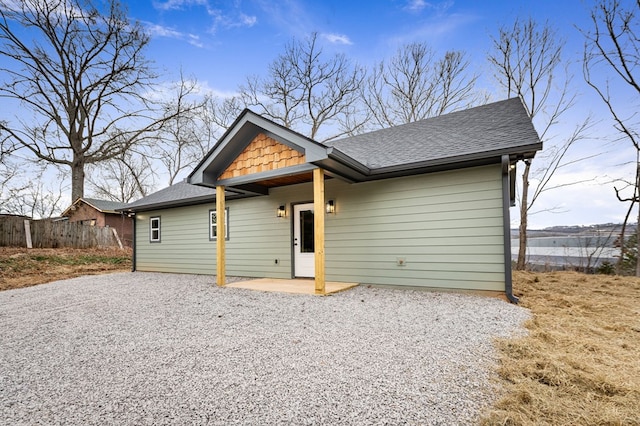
<point>424,204</point>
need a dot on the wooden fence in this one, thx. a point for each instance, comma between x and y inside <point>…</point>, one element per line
<point>53,234</point>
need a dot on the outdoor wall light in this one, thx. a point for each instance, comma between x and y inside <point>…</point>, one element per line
<point>331,207</point>
<point>281,212</point>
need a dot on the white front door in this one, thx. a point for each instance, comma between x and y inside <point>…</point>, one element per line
<point>303,246</point>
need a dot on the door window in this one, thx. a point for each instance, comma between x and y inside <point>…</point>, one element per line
<point>306,231</point>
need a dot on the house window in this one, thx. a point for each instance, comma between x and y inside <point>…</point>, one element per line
<point>154,229</point>
<point>213,223</point>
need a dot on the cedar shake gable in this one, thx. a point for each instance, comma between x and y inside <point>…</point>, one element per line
<point>263,154</point>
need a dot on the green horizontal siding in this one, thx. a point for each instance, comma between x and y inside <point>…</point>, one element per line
<point>256,239</point>
<point>184,245</point>
<point>446,226</point>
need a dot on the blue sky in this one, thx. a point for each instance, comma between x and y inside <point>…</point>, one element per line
<point>221,42</point>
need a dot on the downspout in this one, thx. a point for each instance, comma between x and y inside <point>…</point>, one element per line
<point>506,225</point>
<point>133,243</point>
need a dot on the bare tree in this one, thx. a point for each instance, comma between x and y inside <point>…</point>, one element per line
<point>9,172</point>
<point>591,248</point>
<point>125,178</point>
<point>186,138</point>
<point>414,85</point>
<point>79,74</point>
<point>305,91</point>
<point>33,195</point>
<point>220,113</point>
<point>612,56</point>
<point>527,59</point>
<point>632,201</point>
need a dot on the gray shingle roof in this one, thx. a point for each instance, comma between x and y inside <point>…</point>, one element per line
<point>181,193</point>
<point>454,140</point>
<point>104,206</point>
<point>495,127</point>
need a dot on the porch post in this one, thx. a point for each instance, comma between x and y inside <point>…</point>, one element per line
<point>318,222</point>
<point>220,233</point>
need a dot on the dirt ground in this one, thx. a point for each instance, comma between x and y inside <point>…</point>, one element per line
<point>21,267</point>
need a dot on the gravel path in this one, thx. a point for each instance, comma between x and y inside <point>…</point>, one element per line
<point>145,348</point>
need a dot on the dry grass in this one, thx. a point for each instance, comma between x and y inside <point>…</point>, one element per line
<point>21,267</point>
<point>580,364</point>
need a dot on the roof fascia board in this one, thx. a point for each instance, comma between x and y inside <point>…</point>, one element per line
<point>197,176</point>
<point>343,158</point>
<point>224,137</point>
<point>229,195</point>
<point>312,150</point>
<point>433,169</point>
<point>82,200</point>
<point>455,162</point>
<point>270,174</point>
<point>64,213</point>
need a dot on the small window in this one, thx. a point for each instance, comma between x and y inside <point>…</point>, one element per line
<point>213,223</point>
<point>154,230</point>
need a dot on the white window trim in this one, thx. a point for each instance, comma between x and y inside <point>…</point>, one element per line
<point>151,229</point>
<point>212,227</point>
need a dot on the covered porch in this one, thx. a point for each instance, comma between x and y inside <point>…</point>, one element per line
<point>254,157</point>
<point>316,282</point>
<point>295,286</point>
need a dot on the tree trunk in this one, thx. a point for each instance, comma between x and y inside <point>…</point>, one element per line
<point>637,198</point>
<point>621,238</point>
<point>77,180</point>
<point>522,250</point>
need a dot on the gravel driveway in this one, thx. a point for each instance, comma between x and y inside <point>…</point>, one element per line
<point>146,348</point>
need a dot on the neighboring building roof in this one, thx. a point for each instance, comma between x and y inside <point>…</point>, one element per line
<point>103,206</point>
<point>178,194</point>
<point>492,129</point>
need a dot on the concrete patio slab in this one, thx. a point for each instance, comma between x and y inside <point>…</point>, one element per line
<point>298,286</point>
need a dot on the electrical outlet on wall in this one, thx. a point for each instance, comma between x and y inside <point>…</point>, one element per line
<point>276,262</point>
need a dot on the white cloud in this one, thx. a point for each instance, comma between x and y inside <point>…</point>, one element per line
<point>289,15</point>
<point>435,29</point>
<point>178,4</point>
<point>248,21</point>
<point>416,5</point>
<point>156,30</point>
<point>337,38</point>
<point>194,40</point>
<point>439,7</point>
<point>203,87</point>
<point>230,20</point>
<point>228,17</point>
